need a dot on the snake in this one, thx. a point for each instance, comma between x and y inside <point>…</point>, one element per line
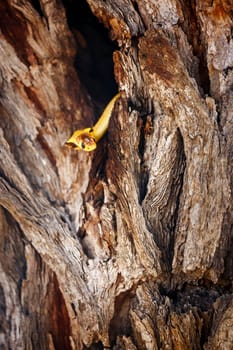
<point>86,139</point>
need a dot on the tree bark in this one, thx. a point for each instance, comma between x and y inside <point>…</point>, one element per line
<point>128,247</point>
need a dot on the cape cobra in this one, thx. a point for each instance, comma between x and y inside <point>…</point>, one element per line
<point>86,139</point>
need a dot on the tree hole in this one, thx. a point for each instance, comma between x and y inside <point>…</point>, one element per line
<point>94,62</point>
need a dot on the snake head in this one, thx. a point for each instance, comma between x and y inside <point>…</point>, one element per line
<point>82,140</point>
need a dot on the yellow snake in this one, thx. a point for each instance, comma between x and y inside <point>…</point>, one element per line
<point>86,139</point>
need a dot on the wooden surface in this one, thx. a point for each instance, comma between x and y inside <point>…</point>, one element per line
<point>129,247</point>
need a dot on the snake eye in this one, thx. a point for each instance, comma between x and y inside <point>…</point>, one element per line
<point>83,145</point>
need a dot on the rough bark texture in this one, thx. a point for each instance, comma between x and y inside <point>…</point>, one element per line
<point>129,247</point>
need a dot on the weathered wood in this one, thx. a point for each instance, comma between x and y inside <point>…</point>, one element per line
<point>129,247</point>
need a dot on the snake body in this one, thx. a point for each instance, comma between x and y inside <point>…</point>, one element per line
<point>86,139</point>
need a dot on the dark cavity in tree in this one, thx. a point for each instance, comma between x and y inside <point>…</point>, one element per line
<point>93,61</point>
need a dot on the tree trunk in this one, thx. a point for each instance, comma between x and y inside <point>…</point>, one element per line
<point>130,246</point>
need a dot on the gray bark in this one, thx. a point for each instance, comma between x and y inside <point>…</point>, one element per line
<point>128,247</point>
